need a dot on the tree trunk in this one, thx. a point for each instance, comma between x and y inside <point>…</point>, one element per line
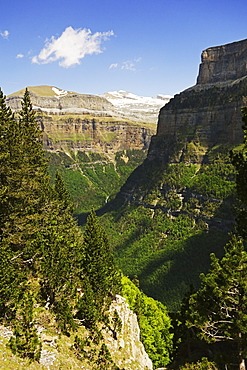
<point>242,365</point>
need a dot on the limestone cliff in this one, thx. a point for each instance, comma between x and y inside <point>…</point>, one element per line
<point>207,114</point>
<point>89,122</point>
<point>98,134</point>
<point>223,63</point>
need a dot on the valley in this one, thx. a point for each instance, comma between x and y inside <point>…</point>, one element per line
<point>169,194</point>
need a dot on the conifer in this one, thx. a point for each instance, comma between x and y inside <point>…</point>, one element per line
<point>219,308</point>
<point>99,266</point>
<point>25,341</point>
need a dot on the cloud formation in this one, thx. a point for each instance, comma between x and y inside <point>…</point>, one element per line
<point>113,65</point>
<point>19,56</point>
<point>4,34</point>
<point>129,65</point>
<point>72,46</point>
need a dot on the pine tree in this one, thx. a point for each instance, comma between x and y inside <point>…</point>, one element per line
<point>26,183</point>
<point>99,270</point>
<point>11,283</point>
<point>39,236</point>
<point>25,341</point>
<point>62,193</point>
<point>98,263</point>
<point>219,308</point>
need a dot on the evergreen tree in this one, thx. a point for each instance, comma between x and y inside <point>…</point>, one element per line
<point>219,308</point>
<point>98,267</point>
<point>6,120</point>
<point>26,183</point>
<point>39,237</point>
<point>25,341</point>
<point>11,283</point>
<point>62,193</point>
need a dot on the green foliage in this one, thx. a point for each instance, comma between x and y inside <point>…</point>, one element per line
<point>93,180</point>
<point>219,309</point>
<point>203,364</point>
<point>101,277</point>
<point>40,240</point>
<point>104,360</point>
<point>239,160</point>
<point>154,323</point>
<point>176,215</point>
<point>162,251</point>
<point>25,342</point>
<point>99,359</point>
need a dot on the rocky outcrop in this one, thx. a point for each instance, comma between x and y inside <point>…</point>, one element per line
<point>125,347</point>
<point>207,114</point>
<point>124,344</point>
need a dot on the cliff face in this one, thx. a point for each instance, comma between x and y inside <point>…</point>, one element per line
<point>223,63</point>
<point>93,134</point>
<point>209,113</point>
<point>90,122</point>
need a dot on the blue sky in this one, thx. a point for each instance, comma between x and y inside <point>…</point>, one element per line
<point>145,47</point>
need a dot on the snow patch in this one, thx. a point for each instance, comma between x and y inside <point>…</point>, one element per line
<point>59,92</point>
<point>123,98</point>
<point>137,108</point>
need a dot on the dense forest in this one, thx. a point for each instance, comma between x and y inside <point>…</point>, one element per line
<point>52,268</point>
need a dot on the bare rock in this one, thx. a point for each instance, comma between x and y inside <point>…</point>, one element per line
<point>125,347</point>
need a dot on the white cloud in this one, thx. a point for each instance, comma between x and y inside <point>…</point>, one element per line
<point>4,34</point>
<point>19,56</point>
<point>72,46</point>
<point>113,65</point>
<point>129,65</point>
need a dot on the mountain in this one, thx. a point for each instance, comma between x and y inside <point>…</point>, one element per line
<point>177,207</point>
<point>95,144</point>
<point>103,124</point>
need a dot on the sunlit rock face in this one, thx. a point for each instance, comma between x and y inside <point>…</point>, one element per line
<point>207,114</point>
<point>125,346</point>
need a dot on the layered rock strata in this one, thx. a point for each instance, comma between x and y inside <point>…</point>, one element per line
<point>87,122</point>
<point>89,134</point>
<point>209,113</point>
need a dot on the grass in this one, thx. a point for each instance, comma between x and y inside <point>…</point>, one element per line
<point>42,90</point>
<point>65,359</point>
